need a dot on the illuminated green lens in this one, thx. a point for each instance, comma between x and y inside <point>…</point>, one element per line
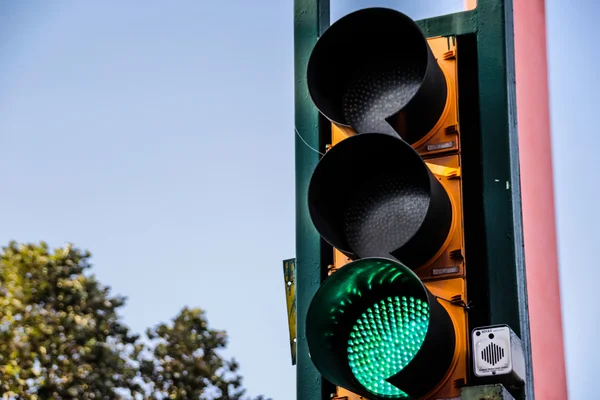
<point>384,340</point>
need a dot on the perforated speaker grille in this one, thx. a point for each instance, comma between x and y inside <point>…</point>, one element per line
<point>492,353</point>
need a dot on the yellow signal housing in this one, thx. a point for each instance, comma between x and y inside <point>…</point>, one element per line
<point>444,275</point>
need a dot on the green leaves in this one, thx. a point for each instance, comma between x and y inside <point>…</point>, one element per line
<point>186,363</point>
<point>61,338</point>
<point>59,327</point>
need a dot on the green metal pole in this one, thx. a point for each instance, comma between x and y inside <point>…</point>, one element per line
<point>501,186</point>
<point>310,18</point>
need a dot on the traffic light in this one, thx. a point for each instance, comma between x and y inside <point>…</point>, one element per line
<point>390,322</point>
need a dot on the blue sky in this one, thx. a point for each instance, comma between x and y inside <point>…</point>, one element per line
<point>160,137</point>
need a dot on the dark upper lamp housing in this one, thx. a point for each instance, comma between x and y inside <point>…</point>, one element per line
<point>373,71</point>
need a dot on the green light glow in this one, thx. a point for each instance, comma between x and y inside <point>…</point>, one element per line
<point>384,340</point>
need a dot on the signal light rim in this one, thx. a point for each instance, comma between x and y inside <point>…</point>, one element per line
<point>454,224</point>
<point>442,119</point>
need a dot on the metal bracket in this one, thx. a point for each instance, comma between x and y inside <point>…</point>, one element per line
<point>485,392</point>
<point>289,274</point>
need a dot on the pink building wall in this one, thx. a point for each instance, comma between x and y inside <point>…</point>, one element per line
<point>537,189</point>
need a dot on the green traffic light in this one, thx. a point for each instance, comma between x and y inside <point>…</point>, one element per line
<point>384,340</point>
<point>368,323</point>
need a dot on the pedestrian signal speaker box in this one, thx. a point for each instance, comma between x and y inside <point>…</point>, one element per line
<point>498,355</point>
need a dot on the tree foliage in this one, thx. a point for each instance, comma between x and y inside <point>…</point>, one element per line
<point>61,338</point>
